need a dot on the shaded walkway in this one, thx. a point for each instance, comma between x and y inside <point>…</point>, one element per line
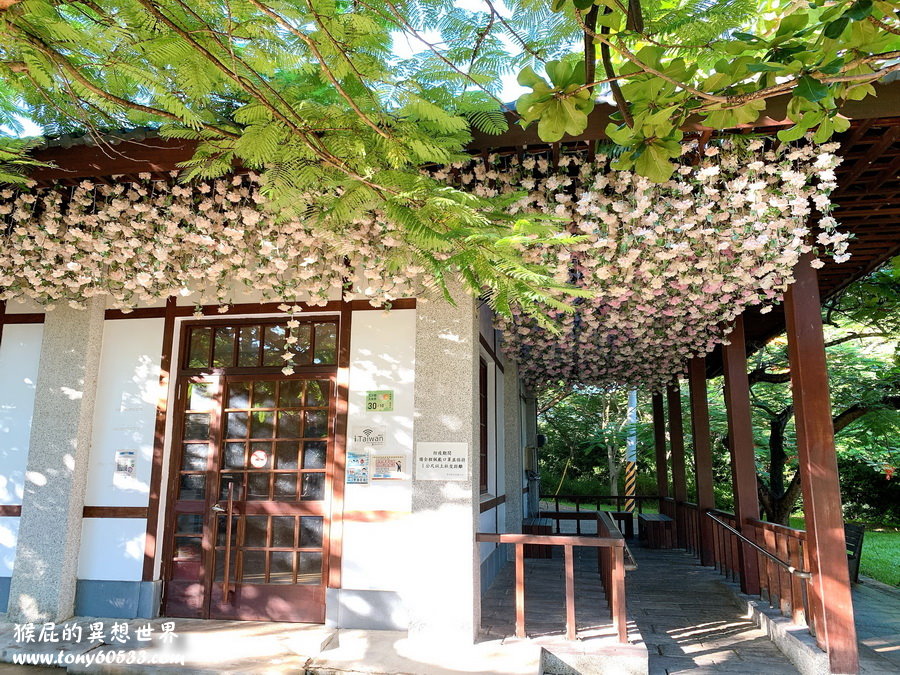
<point>597,650</point>
<point>690,623</point>
<point>545,599</point>
<point>876,608</point>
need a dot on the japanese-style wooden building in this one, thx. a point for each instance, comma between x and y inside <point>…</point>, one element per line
<point>115,499</point>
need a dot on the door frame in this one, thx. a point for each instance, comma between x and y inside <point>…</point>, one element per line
<point>336,459</point>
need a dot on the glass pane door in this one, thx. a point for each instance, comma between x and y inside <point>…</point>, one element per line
<point>251,473</point>
<point>273,464</point>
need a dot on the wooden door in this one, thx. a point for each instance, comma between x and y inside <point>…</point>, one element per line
<point>257,445</point>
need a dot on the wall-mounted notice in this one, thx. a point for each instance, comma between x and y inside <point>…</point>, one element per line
<point>357,468</point>
<point>442,461</point>
<point>389,467</point>
<point>367,438</point>
<point>125,460</point>
<point>380,401</point>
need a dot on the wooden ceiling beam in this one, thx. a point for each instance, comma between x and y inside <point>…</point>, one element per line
<point>874,152</point>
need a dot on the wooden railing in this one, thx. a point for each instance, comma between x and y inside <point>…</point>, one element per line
<point>782,588</point>
<point>607,528</point>
<point>611,555</point>
<point>688,523</point>
<point>596,502</point>
<point>725,544</point>
<point>781,560</point>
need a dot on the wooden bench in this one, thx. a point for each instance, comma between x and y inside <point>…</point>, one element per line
<point>853,536</point>
<point>537,526</point>
<point>657,530</point>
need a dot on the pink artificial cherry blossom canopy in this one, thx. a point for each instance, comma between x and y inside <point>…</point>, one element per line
<point>668,266</point>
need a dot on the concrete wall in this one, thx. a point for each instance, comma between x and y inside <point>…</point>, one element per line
<point>443,591</point>
<point>20,352</point>
<point>43,582</point>
<point>125,411</point>
<point>376,536</point>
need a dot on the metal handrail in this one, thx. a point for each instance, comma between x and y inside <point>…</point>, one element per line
<point>545,495</point>
<point>801,574</point>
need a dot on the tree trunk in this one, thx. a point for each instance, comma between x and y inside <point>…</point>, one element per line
<point>776,501</point>
<point>612,460</point>
<point>781,507</point>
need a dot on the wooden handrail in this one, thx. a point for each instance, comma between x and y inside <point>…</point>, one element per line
<point>613,530</point>
<point>802,574</point>
<point>551,539</point>
<point>612,573</point>
<point>608,498</point>
<point>776,527</point>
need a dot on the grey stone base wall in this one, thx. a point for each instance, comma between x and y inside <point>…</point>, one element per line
<point>4,594</point>
<point>118,599</point>
<point>491,566</point>
<point>365,610</point>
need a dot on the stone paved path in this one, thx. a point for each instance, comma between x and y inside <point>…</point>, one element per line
<point>689,622</point>
<point>545,599</point>
<point>876,608</point>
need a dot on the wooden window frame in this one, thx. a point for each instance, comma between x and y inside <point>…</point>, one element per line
<point>483,413</point>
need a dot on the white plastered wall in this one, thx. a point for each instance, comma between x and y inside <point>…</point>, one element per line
<point>112,549</point>
<point>9,533</point>
<point>125,418</point>
<point>20,352</point>
<point>382,357</point>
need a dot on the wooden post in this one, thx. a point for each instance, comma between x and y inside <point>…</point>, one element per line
<point>617,585</point>
<point>829,588</point>
<point>743,460</point>
<point>659,440</point>
<point>570,592</point>
<point>676,443</point>
<point>520,591</point>
<point>702,458</point>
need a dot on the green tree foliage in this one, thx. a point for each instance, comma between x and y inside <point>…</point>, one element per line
<point>310,93</point>
<point>587,429</point>
<point>716,62</point>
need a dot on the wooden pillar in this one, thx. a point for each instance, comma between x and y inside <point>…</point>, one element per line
<point>743,457</point>
<point>2,316</point>
<point>659,440</point>
<point>829,588</point>
<point>676,443</point>
<point>702,457</point>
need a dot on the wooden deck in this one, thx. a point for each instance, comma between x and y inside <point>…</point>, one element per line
<point>677,611</point>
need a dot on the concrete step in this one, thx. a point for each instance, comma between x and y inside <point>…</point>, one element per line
<point>382,652</point>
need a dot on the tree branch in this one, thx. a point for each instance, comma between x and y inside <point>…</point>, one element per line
<point>857,336</point>
<point>513,32</point>
<point>624,51</point>
<point>310,44</point>
<point>590,34</point>
<point>556,399</point>
<point>397,16</point>
<point>761,375</point>
<point>64,63</point>
<point>858,410</point>
<point>882,25</point>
